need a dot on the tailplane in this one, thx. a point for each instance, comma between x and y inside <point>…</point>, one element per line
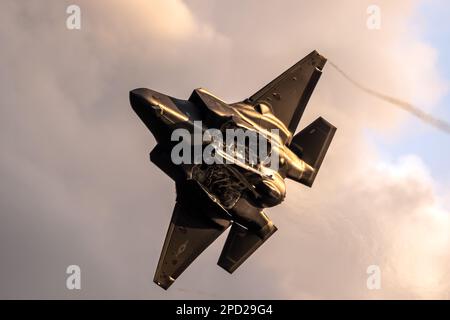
<point>241,244</point>
<point>311,144</point>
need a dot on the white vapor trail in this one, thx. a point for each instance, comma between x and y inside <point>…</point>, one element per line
<point>426,117</point>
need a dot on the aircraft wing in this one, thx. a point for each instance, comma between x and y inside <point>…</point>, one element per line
<point>289,93</point>
<point>190,233</point>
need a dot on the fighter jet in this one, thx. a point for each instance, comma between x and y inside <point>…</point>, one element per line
<point>210,198</point>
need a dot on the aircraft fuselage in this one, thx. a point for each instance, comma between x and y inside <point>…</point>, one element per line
<point>263,185</point>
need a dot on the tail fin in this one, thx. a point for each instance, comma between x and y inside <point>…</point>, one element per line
<point>242,243</point>
<point>311,144</point>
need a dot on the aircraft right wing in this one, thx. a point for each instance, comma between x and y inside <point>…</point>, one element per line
<point>191,231</point>
<point>289,93</point>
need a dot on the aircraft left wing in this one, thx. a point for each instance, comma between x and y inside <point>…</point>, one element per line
<point>190,233</point>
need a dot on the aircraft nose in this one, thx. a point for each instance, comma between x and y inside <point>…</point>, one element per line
<point>153,106</point>
<point>139,100</point>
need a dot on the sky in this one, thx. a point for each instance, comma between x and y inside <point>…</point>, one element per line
<point>77,187</point>
<point>421,139</point>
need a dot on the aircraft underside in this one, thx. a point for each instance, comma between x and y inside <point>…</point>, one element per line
<point>212,197</point>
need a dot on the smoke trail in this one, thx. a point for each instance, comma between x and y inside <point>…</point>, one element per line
<point>426,117</point>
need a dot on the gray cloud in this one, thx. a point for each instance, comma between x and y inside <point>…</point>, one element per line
<point>77,187</point>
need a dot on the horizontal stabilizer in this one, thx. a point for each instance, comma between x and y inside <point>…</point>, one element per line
<point>311,144</point>
<point>240,244</point>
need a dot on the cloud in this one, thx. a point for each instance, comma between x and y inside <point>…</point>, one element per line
<point>389,216</point>
<point>77,187</point>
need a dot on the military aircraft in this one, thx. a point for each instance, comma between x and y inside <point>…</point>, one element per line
<point>212,197</point>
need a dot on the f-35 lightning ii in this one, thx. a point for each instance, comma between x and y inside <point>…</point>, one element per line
<point>212,197</point>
